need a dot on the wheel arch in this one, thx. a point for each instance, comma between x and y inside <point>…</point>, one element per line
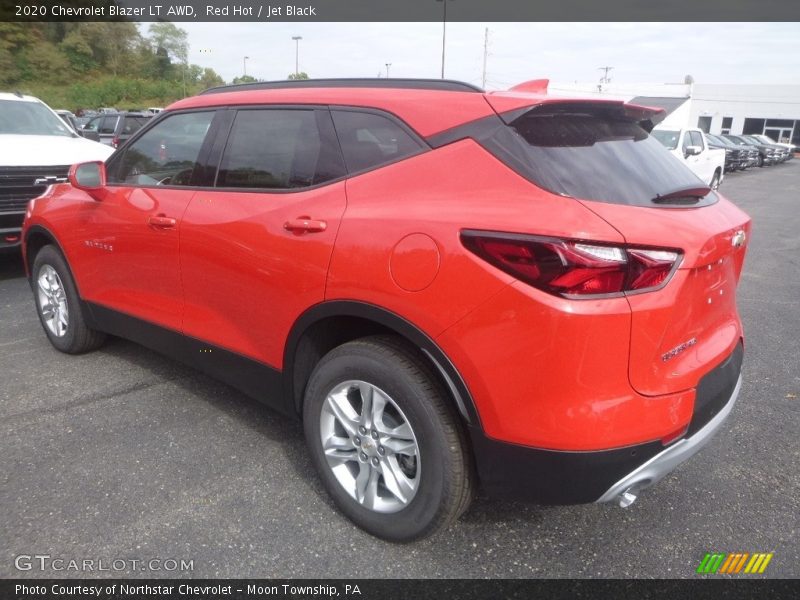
<point>329,324</point>
<point>36,238</point>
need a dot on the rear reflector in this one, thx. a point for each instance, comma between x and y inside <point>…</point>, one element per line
<point>573,268</point>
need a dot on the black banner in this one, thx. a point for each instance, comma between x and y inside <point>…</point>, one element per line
<point>390,589</point>
<point>399,10</point>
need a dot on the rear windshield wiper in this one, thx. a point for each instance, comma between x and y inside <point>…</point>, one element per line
<point>690,195</point>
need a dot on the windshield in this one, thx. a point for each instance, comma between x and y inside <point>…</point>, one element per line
<point>764,138</point>
<point>30,118</point>
<point>593,153</point>
<point>669,139</point>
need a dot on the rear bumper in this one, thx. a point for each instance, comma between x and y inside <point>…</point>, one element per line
<point>655,469</point>
<point>567,477</point>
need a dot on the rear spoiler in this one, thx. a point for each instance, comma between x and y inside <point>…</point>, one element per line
<point>529,95</point>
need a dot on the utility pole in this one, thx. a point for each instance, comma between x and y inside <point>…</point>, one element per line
<point>387,69</point>
<point>444,29</point>
<point>605,78</point>
<point>485,55</point>
<point>297,39</point>
<point>244,66</point>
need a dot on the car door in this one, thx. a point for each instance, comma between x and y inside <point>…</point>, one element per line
<point>130,260</point>
<point>705,168</point>
<point>255,248</point>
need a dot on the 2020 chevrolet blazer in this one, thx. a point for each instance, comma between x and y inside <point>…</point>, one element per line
<point>450,288</point>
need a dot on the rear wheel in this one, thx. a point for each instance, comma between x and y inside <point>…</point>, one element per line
<point>58,304</point>
<point>387,445</point>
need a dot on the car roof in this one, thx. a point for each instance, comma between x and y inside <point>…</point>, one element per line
<point>429,106</point>
<point>18,97</point>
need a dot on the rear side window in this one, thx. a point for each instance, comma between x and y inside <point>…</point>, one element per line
<point>108,124</point>
<point>592,153</point>
<point>133,124</point>
<point>279,149</point>
<point>166,154</point>
<point>369,140</point>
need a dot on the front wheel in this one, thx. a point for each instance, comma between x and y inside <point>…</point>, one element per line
<point>386,443</point>
<point>58,304</point>
<point>715,181</point>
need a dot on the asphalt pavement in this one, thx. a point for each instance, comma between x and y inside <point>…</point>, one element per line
<point>122,454</point>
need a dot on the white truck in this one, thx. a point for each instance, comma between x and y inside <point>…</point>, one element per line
<point>690,147</point>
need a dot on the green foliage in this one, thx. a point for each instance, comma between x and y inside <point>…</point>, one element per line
<point>245,79</point>
<point>300,75</point>
<point>88,65</point>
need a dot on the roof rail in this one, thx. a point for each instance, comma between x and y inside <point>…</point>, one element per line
<point>444,85</point>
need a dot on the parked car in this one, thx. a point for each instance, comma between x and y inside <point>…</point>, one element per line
<point>690,147</point>
<point>765,139</point>
<point>735,158</point>
<point>36,149</point>
<point>450,288</point>
<point>767,154</point>
<point>114,129</point>
<point>782,151</point>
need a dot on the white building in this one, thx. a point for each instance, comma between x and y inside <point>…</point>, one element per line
<point>773,110</point>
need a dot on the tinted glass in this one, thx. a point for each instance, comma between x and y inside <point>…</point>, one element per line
<point>93,124</point>
<point>167,154</point>
<point>108,124</point>
<point>278,149</point>
<point>369,140</point>
<point>30,118</point>
<point>133,124</point>
<point>595,155</point>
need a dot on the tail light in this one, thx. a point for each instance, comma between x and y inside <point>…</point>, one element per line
<point>574,269</point>
<point>115,141</point>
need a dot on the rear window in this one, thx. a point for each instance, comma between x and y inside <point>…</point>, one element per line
<point>133,124</point>
<point>669,139</point>
<point>593,153</point>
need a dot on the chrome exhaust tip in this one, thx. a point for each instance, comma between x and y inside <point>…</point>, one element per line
<point>626,498</point>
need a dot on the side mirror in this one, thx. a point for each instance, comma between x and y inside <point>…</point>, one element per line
<point>692,150</point>
<point>89,177</point>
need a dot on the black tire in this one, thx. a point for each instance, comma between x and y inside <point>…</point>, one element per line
<point>760,161</point>
<point>77,338</point>
<point>446,477</point>
<point>715,180</point>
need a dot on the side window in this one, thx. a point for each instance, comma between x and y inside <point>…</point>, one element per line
<point>132,124</point>
<point>280,149</point>
<point>108,125</point>
<point>697,139</point>
<point>167,154</point>
<point>369,140</point>
<point>94,124</point>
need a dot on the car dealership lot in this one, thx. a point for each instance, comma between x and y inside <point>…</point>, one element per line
<point>123,454</point>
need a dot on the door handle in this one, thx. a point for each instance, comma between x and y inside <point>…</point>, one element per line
<point>161,222</point>
<point>305,225</point>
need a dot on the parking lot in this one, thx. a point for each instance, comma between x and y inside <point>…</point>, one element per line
<point>123,454</point>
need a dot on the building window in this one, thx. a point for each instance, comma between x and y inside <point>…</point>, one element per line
<point>727,122</point>
<point>752,126</point>
<point>782,123</point>
<point>704,124</point>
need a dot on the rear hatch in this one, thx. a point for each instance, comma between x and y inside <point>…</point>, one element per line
<point>600,153</point>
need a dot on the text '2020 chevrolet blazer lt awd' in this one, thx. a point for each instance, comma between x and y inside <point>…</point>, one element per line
<point>450,288</point>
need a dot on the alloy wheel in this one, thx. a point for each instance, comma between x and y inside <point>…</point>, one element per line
<point>370,446</point>
<point>52,301</point>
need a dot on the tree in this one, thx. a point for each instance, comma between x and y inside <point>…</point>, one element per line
<point>300,75</point>
<point>245,79</point>
<point>210,79</point>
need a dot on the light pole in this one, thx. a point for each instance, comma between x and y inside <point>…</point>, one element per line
<point>387,69</point>
<point>444,28</point>
<point>297,39</point>
<point>244,66</point>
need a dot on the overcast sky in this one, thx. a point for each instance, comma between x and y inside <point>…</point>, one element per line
<point>564,52</point>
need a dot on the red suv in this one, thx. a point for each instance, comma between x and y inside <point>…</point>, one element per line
<point>450,288</point>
